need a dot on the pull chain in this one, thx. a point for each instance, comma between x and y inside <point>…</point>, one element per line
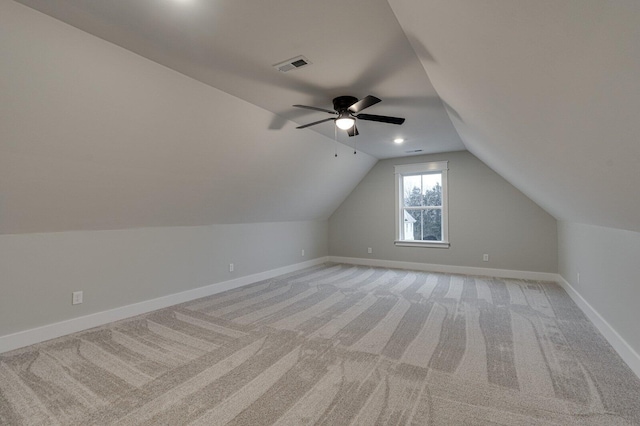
<point>355,141</point>
<point>335,137</point>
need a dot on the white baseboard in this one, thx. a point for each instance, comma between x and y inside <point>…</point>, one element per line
<point>40,334</point>
<point>448,269</point>
<point>51,331</point>
<point>626,352</point>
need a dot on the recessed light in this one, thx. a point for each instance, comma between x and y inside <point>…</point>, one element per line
<point>398,140</point>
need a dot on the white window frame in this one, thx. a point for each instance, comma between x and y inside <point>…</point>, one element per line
<point>434,167</point>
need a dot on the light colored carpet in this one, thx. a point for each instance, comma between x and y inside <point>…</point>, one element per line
<point>334,345</point>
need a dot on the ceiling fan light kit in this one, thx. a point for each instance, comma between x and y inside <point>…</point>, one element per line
<point>347,109</point>
<point>345,121</point>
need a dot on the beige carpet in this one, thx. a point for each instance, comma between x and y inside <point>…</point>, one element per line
<point>334,345</point>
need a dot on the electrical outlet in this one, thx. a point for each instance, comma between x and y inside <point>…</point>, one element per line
<point>302,252</point>
<point>231,267</point>
<point>76,298</point>
<point>485,257</point>
<point>369,250</point>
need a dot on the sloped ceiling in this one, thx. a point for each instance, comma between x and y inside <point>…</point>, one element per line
<point>547,93</point>
<point>356,48</point>
<point>95,137</point>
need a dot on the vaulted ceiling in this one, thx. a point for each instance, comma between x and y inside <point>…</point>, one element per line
<point>94,137</point>
<point>356,48</point>
<point>547,93</point>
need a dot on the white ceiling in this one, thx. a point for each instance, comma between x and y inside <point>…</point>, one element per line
<point>546,93</point>
<point>356,48</point>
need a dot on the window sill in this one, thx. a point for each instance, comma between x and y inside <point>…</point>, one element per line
<point>427,244</point>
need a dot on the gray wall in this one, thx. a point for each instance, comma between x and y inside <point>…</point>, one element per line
<point>607,261</point>
<point>486,215</point>
<point>121,267</point>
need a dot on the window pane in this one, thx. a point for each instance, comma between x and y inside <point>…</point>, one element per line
<point>431,225</point>
<point>410,220</point>
<point>422,190</point>
<point>412,186</point>
<point>432,189</point>
<point>422,225</point>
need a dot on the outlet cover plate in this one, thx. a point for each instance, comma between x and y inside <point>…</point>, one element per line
<point>76,298</point>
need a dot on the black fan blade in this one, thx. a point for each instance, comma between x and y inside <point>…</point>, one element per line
<point>315,109</point>
<point>353,131</point>
<point>364,103</point>
<point>315,122</point>
<point>380,118</point>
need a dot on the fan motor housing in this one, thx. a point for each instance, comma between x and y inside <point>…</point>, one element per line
<point>341,103</point>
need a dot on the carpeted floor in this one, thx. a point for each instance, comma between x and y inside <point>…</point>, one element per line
<point>334,345</point>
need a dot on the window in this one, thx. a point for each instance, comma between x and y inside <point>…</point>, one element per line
<point>421,205</point>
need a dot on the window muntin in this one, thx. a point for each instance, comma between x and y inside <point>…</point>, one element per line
<point>421,204</point>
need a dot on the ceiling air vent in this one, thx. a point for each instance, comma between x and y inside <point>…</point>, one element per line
<point>413,151</point>
<point>292,64</point>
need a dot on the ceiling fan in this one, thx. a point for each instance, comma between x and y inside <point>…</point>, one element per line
<point>346,108</point>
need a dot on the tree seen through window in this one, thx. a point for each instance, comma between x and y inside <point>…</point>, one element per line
<point>423,202</point>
